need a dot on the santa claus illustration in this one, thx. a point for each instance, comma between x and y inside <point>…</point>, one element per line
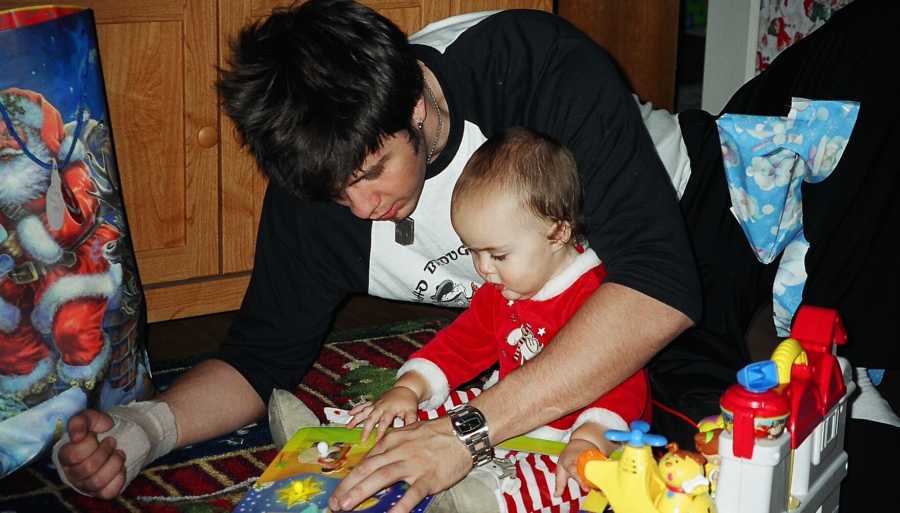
<point>56,277</point>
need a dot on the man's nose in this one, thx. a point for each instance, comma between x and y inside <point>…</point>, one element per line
<point>361,202</point>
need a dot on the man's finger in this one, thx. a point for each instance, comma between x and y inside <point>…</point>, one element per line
<point>77,427</point>
<point>370,476</point>
<point>100,480</point>
<point>81,472</point>
<point>74,453</point>
<point>410,499</point>
<point>393,439</point>
<point>112,489</point>
<point>88,421</point>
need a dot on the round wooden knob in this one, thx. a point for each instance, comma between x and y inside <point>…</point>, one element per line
<point>208,136</point>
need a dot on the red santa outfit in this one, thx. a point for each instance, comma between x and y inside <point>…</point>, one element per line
<point>56,280</point>
<point>494,329</point>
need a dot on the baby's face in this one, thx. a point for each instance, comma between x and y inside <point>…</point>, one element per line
<point>510,246</point>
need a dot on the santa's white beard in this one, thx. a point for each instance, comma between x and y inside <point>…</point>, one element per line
<point>21,180</point>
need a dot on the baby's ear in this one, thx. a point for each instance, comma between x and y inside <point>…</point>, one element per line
<point>560,234</point>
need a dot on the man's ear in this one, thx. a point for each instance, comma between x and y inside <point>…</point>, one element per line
<point>560,234</point>
<point>419,112</point>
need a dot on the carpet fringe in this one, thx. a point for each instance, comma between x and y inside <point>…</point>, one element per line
<point>188,498</point>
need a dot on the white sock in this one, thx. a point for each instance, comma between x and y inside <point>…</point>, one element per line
<point>287,414</point>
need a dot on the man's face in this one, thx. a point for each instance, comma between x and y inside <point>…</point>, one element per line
<point>389,183</point>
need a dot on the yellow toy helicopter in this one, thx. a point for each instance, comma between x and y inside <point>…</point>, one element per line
<point>636,483</point>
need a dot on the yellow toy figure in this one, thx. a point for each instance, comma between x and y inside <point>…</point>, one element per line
<point>688,488</point>
<point>635,483</point>
<point>632,483</point>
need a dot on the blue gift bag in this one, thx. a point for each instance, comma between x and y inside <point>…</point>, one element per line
<point>72,312</point>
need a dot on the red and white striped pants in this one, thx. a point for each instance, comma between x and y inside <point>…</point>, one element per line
<point>536,473</point>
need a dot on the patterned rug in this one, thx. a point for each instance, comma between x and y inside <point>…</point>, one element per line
<point>213,476</point>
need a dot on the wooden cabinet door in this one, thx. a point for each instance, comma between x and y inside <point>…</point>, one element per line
<point>642,35</point>
<point>464,6</point>
<point>157,59</point>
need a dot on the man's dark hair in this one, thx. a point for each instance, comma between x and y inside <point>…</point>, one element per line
<point>314,88</point>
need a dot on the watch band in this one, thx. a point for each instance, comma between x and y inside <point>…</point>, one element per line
<point>471,428</point>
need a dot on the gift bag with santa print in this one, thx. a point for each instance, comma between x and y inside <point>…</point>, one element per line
<point>72,312</point>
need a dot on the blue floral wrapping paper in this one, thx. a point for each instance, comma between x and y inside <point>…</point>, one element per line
<point>766,160</point>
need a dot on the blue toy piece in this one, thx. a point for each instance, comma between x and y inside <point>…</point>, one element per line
<point>638,436</point>
<point>759,376</point>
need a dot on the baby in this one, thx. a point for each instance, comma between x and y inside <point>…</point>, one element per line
<point>517,208</point>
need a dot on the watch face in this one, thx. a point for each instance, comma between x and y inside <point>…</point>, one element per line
<point>469,421</point>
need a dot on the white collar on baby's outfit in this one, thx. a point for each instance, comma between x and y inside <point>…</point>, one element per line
<point>583,263</point>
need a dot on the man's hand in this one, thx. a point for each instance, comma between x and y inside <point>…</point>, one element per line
<point>399,402</point>
<point>426,455</point>
<point>94,467</point>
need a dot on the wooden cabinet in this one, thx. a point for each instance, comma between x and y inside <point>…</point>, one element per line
<point>192,195</point>
<point>642,35</point>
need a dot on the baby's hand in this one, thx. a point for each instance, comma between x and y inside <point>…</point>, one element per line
<point>567,466</point>
<point>398,402</point>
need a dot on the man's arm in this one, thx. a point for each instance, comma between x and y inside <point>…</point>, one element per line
<point>97,466</point>
<point>198,397</point>
<point>307,258</point>
<point>613,335</point>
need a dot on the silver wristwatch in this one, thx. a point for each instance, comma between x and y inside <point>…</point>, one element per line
<point>471,428</point>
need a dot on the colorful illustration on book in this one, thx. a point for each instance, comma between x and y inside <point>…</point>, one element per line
<point>309,493</point>
<point>307,470</point>
<point>326,456</point>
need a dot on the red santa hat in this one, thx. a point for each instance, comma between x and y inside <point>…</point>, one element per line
<point>49,123</point>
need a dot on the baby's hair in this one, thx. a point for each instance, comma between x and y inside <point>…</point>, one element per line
<point>537,167</point>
